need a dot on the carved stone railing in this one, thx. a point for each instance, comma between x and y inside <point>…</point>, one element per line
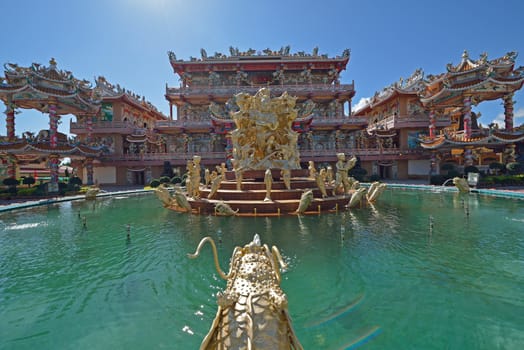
<point>230,90</point>
<point>397,122</point>
<point>77,128</point>
<point>221,156</point>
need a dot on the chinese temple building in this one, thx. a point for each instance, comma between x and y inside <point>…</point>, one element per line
<point>51,91</point>
<point>402,132</point>
<point>205,100</point>
<point>432,115</point>
<point>124,132</point>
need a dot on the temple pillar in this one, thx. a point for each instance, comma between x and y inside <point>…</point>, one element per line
<point>468,156</point>
<point>467,116</point>
<point>508,111</point>
<point>89,171</point>
<point>10,121</point>
<point>12,164</point>
<point>53,123</point>
<point>53,163</point>
<point>432,124</point>
<point>89,127</point>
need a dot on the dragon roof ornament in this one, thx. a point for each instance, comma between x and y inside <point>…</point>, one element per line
<point>234,53</point>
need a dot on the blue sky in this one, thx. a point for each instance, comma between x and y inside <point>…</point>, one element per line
<point>127,40</point>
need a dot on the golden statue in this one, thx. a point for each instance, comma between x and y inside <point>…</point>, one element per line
<point>356,197</point>
<point>263,137</point>
<point>305,200</point>
<point>312,170</point>
<point>195,178</point>
<point>286,177</point>
<point>252,311</point>
<point>461,184</point>
<point>268,180</point>
<point>321,182</point>
<point>343,167</point>
<point>215,185</point>
<point>375,190</point>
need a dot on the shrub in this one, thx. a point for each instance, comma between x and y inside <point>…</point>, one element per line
<point>31,191</point>
<point>176,180</point>
<point>358,173</point>
<point>29,181</point>
<point>75,180</point>
<point>471,169</point>
<point>374,177</point>
<point>513,168</point>
<point>154,183</point>
<point>11,182</point>
<point>164,180</point>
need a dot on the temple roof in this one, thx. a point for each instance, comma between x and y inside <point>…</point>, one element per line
<point>458,139</point>
<point>36,86</point>
<point>244,60</point>
<point>45,148</point>
<point>410,86</point>
<point>481,79</point>
<point>110,92</point>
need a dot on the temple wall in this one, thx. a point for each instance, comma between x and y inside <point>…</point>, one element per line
<point>104,175</point>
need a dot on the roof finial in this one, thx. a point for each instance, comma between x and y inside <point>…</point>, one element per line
<point>52,62</point>
<point>465,54</point>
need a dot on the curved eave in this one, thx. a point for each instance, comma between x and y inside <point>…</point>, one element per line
<point>461,90</point>
<point>44,148</point>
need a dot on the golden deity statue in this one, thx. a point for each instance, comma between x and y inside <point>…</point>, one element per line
<point>263,137</point>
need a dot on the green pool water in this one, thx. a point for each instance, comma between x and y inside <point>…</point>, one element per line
<point>421,270</point>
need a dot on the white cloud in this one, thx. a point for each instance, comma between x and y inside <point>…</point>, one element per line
<point>518,118</point>
<point>363,101</point>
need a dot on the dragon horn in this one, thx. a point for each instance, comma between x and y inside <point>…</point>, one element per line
<point>215,255</point>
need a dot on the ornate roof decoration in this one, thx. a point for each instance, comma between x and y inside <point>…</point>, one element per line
<point>481,79</point>
<point>45,148</point>
<point>458,139</point>
<point>34,86</point>
<point>235,53</point>
<point>110,91</point>
<point>411,85</point>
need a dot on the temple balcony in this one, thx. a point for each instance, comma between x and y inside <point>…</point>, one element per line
<point>182,124</point>
<point>104,127</point>
<point>339,121</point>
<point>393,121</point>
<point>230,90</point>
<point>214,158</point>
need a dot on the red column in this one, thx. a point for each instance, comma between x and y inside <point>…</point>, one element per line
<point>467,117</point>
<point>89,126</point>
<point>10,121</point>
<point>508,112</point>
<point>432,124</point>
<point>53,124</point>
<point>11,166</point>
<point>89,170</point>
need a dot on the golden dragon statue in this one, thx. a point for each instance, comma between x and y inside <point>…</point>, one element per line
<point>252,311</point>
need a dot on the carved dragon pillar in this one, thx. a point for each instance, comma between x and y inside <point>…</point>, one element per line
<point>12,163</point>
<point>89,170</point>
<point>89,127</point>
<point>53,123</point>
<point>432,124</point>
<point>508,111</point>
<point>467,116</point>
<point>10,120</point>
<point>53,170</point>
